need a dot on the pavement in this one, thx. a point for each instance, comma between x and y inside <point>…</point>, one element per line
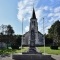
<point>56,57</point>
<point>6,57</point>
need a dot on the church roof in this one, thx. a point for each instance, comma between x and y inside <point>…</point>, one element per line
<point>33,14</point>
<point>28,33</point>
<point>40,33</point>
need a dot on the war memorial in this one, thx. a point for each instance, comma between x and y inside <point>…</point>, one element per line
<point>32,53</point>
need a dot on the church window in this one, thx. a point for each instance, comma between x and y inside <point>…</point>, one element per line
<point>33,22</point>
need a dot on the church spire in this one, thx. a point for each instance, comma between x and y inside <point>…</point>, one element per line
<point>33,14</point>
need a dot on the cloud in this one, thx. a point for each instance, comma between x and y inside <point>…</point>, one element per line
<point>25,9</point>
<point>57,9</point>
<point>55,15</point>
<point>46,29</point>
<point>48,12</point>
<point>39,14</point>
<point>45,8</point>
<point>26,28</point>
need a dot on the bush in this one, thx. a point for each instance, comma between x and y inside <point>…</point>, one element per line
<point>13,46</point>
<point>54,47</point>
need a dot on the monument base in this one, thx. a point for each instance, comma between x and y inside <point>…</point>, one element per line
<point>31,50</point>
<point>31,54</point>
<point>32,57</point>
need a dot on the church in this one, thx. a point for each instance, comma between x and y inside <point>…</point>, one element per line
<point>38,36</point>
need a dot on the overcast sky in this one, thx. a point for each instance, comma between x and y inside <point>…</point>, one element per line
<point>13,11</point>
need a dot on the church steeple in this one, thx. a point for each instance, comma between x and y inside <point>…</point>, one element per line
<point>33,14</point>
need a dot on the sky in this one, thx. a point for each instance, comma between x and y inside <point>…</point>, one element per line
<point>14,11</point>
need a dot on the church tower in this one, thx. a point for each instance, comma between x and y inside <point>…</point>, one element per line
<point>33,29</point>
<point>33,36</point>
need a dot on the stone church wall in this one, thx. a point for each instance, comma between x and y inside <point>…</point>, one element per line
<point>26,39</point>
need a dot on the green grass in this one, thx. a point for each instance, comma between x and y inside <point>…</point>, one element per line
<point>11,51</point>
<point>49,51</point>
<point>24,49</point>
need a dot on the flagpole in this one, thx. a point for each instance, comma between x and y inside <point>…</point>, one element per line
<point>43,36</point>
<point>22,33</point>
<point>22,36</point>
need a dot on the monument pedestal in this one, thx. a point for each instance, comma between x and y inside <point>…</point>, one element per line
<point>32,50</point>
<point>31,54</point>
<point>32,57</point>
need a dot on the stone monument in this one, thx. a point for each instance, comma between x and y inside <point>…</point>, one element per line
<point>33,34</point>
<point>32,54</point>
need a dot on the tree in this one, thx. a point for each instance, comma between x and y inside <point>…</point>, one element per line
<point>18,40</point>
<point>9,30</point>
<point>48,40</point>
<point>17,43</point>
<point>54,32</point>
<point>9,33</point>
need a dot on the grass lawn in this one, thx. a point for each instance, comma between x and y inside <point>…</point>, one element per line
<point>49,51</point>
<point>9,51</point>
<point>40,49</point>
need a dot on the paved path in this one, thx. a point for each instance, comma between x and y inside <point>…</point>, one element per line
<point>6,58</point>
<point>57,57</point>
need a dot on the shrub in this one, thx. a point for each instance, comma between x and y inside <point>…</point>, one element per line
<point>14,46</point>
<point>54,47</point>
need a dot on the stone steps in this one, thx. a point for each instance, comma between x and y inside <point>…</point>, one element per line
<point>32,57</point>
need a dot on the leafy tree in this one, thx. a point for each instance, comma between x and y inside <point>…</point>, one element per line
<point>1,33</point>
<point>9,30</point>
<point>18,40</point>
<point>48,40</point>
<point>17,43</point>
<point>54,32</point>
<point>9,33</point>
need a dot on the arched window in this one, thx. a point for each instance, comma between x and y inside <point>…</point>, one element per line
<point>33,22</point>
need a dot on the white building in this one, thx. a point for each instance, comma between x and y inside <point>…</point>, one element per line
<point>38,35</point>
<point>3,45</point>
